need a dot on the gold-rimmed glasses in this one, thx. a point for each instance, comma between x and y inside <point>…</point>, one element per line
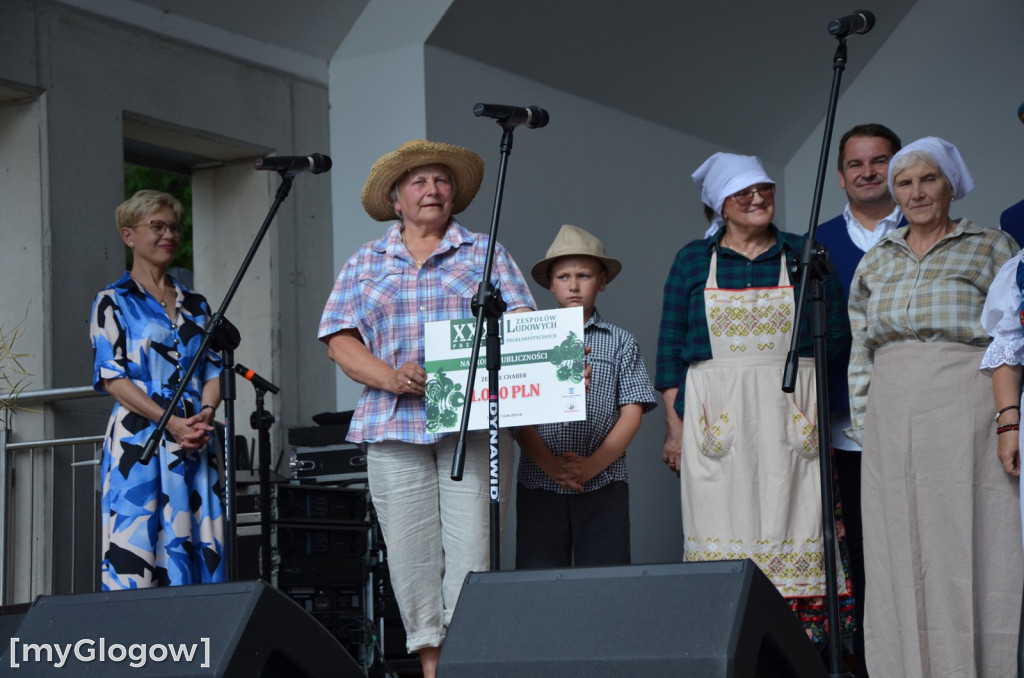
<point>746,196</point>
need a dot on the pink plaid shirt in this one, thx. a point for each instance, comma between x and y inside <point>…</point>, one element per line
<point>380,293</point>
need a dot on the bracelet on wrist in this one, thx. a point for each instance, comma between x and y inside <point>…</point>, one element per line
<point>1006,428</point>
<point>208,407</point>
<point>1006,409</point>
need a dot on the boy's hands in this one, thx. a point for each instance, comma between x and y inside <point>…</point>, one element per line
<point>565,471</point>
<point>571,470</point>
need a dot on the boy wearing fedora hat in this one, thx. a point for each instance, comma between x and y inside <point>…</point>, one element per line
<point>572,504</point>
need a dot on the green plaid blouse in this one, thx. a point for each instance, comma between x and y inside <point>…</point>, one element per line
<point>895,298</point>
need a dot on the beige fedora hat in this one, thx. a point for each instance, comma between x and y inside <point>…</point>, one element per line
<point>574,241</point>
<point>467,170</point>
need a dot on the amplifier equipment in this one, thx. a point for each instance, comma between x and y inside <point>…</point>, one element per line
<point>304,504</point>
<point>328,464</point>
<point>306,555</point>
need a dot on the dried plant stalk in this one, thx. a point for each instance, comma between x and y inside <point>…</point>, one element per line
<point>13,376</point>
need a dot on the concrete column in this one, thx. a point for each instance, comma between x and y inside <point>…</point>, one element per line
<point>378,101</point>
<point>228,206</point>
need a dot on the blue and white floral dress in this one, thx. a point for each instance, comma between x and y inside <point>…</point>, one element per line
<point>163,521</point>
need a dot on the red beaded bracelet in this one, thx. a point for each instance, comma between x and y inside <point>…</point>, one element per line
<point>1006,428</point>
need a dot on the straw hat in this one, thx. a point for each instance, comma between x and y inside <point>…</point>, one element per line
<point>467,169</point>
<point>573,241</point>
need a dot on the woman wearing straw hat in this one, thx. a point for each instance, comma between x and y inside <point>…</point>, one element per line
<point>943,561</point>
<point>747,453</point>
<point>425,268</point>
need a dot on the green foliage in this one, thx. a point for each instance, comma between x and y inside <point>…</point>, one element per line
<point>137,178</point>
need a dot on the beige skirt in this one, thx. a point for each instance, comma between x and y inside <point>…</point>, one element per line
<point>942,530</point>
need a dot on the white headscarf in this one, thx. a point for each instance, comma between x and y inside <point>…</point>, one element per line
<point>715,227</point>
<point>946,157</point>
<point>723,174</point>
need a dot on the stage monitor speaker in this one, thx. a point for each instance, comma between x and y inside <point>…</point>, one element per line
<point>232,630</point>
<point>10,619</point>
<point>688,619</point>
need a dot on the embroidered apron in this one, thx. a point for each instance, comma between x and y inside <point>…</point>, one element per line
<point>750,468</point>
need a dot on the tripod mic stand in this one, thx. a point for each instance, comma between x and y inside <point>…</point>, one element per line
<point>261,420</point>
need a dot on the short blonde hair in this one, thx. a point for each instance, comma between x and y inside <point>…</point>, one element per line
<point>142,203</point>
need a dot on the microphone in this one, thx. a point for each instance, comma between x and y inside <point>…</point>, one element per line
<point>861,21</point>
<point>297,164</point>
<point>258,381</point>
<point>531,116</point>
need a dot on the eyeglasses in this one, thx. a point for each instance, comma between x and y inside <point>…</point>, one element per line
<point>160,227</point>
<point>745,197</point>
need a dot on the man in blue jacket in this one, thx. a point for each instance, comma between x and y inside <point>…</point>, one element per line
<point>1012,221</point>
<point>870,214</point>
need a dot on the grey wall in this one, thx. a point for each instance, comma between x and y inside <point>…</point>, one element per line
<point>92,71</point>
<point>945,71</point>
<point>949,70</point>
<point>625,180</point>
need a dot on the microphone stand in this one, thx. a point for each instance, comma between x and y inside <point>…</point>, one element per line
<point>211,327</point>
<point>226,339</point>
<point>488,304</point>
<point>261,420</point>
<point>814,268</point>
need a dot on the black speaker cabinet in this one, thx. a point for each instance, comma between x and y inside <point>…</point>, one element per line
<point>236,629</point>
<point>688,619</point>
<point>11,617</point>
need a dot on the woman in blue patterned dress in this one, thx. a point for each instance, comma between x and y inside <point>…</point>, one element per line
<point>163,522</point>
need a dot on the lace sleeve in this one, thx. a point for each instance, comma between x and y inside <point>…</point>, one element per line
<point>1001,318</point>
<point>1004,350</point>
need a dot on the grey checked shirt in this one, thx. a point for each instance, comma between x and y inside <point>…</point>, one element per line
<point>618,377</point>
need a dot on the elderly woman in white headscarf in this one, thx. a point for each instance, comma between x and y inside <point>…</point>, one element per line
<point>746,452</point>
<point>942,548</point>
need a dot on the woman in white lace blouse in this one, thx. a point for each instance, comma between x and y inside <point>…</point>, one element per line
<point>1002,319</point>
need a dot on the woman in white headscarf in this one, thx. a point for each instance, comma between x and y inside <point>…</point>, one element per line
<point>942,549</point>
<point>746,452</point>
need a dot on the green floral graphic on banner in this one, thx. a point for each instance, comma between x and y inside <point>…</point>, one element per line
<point>444,402</point>
<point>568,356</point>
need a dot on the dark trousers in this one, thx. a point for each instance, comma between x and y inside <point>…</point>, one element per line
<point>848,469</point>
<point>562,530</point>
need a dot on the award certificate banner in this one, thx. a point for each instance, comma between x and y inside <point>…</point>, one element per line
<point>541,376</point>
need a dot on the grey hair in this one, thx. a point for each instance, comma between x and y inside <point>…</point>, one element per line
<point>911,158</point>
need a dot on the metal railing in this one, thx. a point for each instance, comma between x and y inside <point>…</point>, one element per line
<point>49,493</point>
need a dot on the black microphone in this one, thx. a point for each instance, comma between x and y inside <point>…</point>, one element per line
<point>531,116</point>
<point>297,164</point>
<point>861,21</point>
<point>258,381</point>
